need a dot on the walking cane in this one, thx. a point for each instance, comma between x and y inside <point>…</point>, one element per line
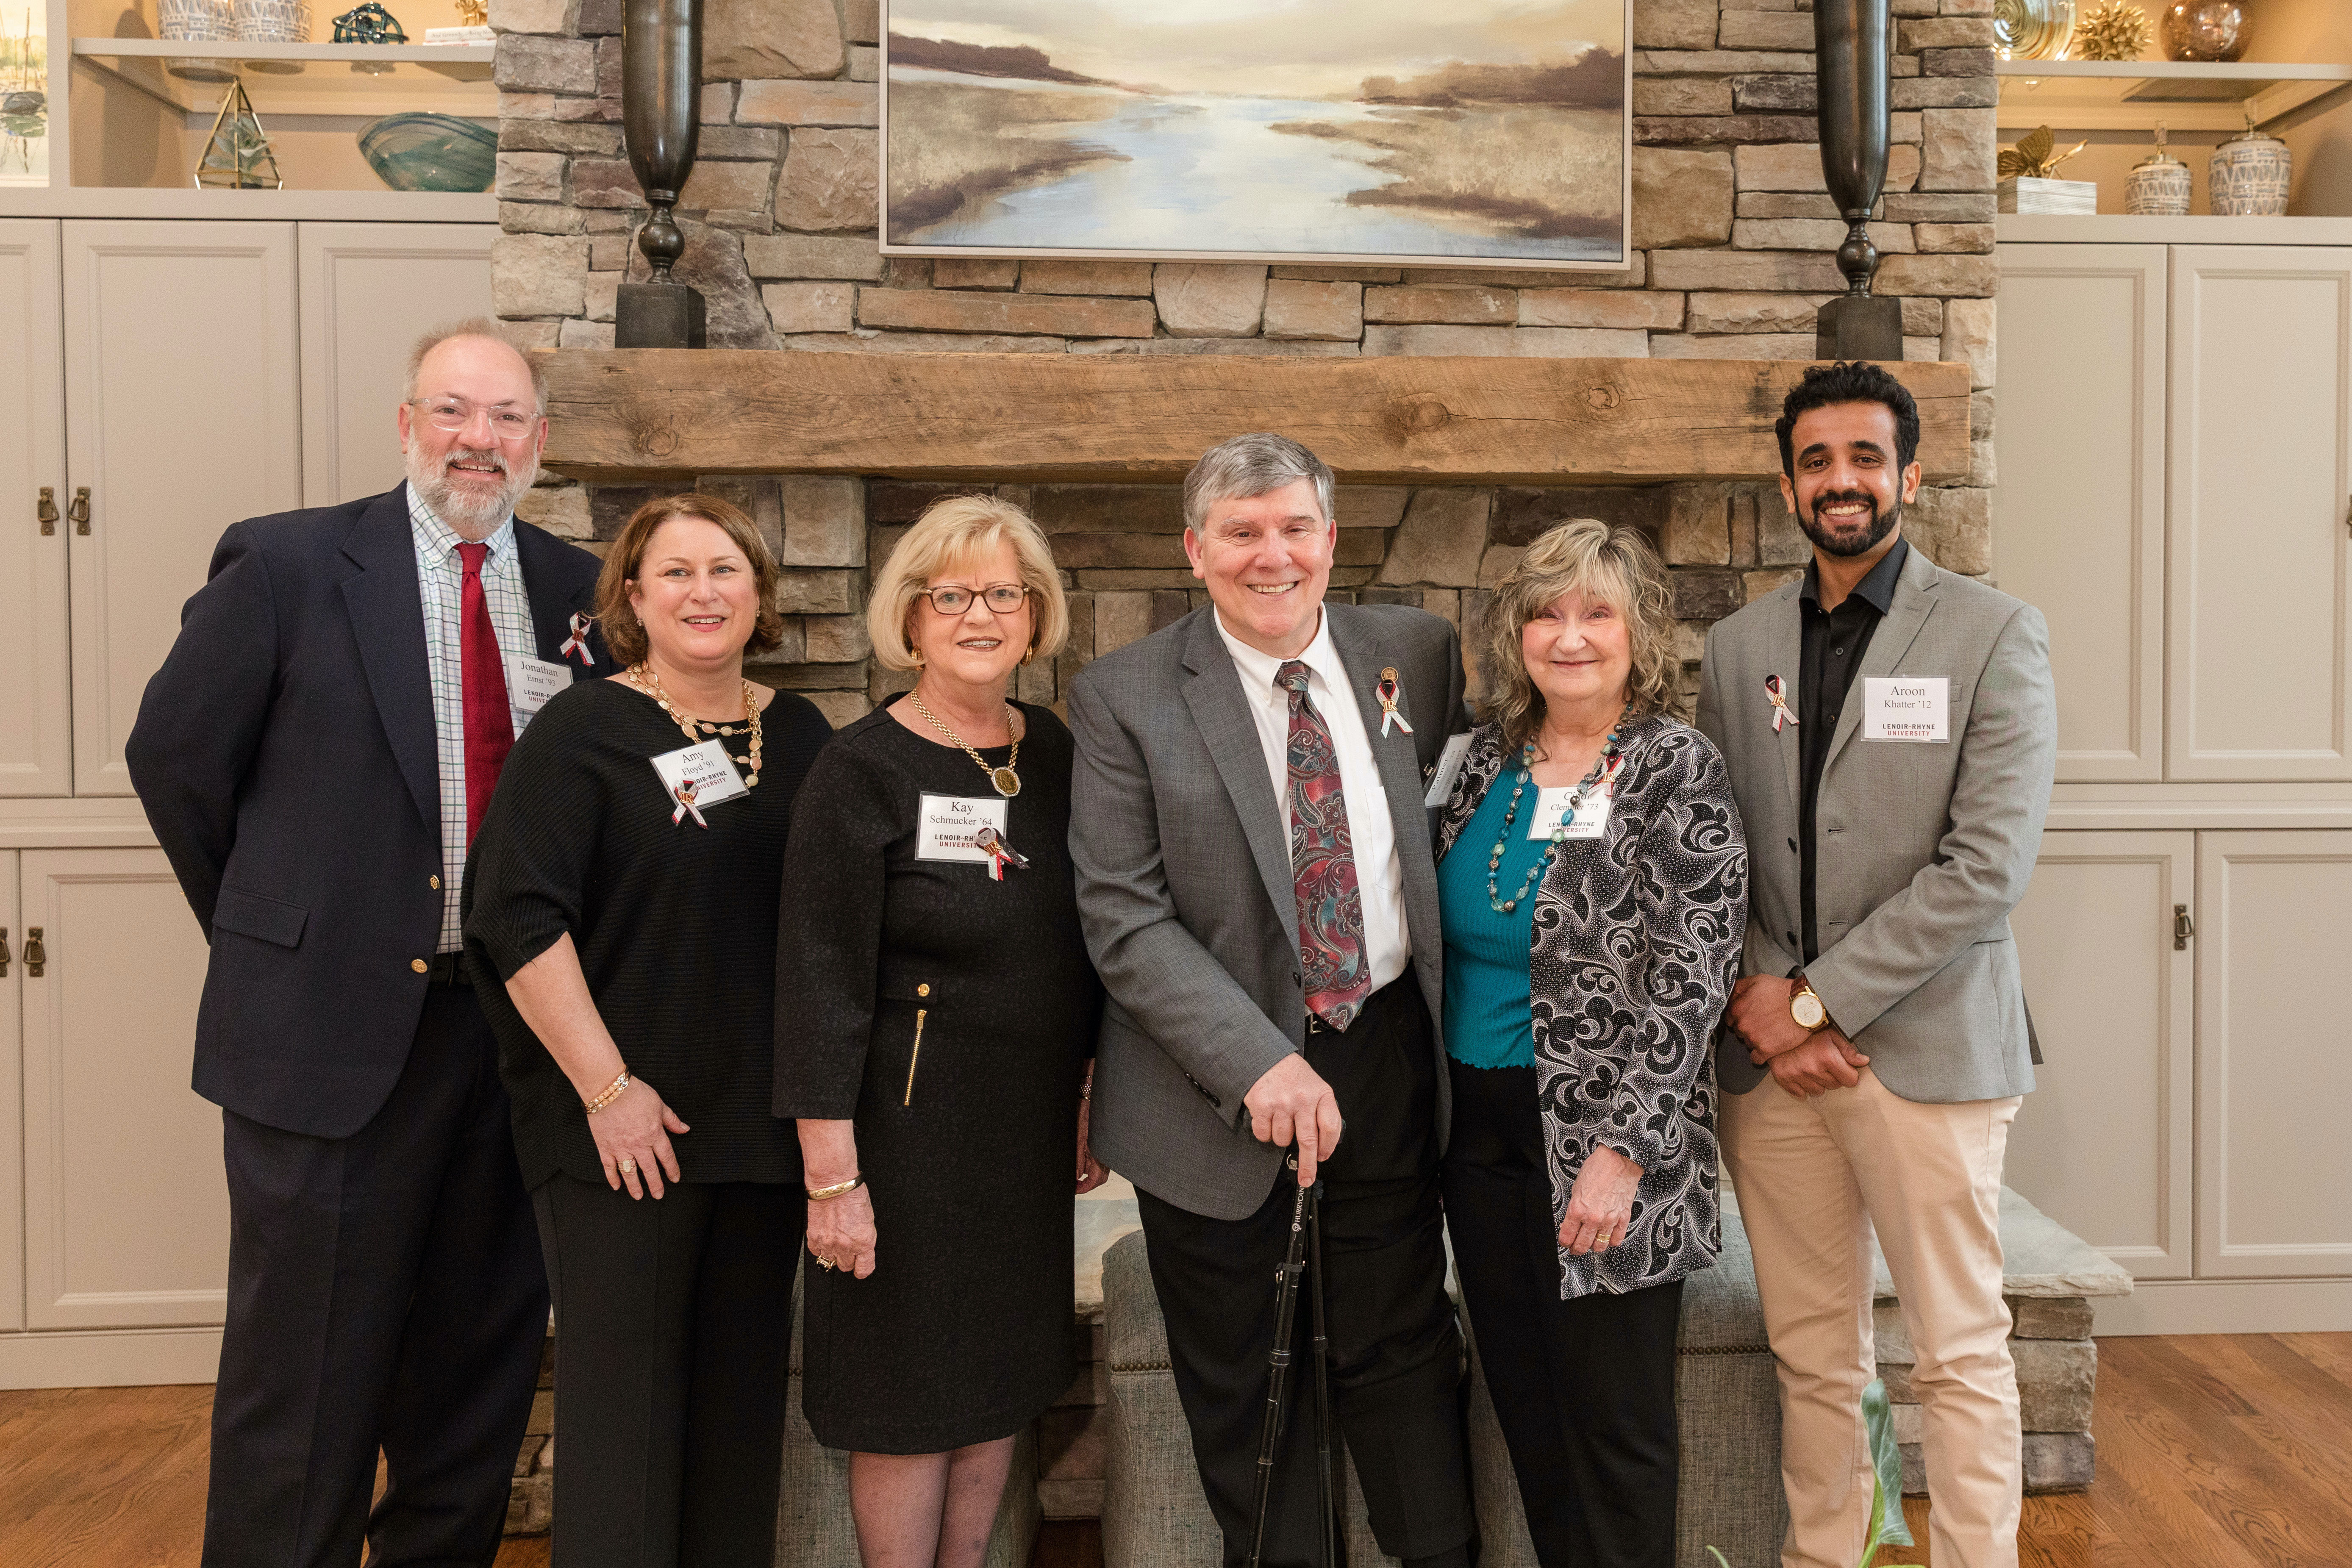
<point>1306,1219</point>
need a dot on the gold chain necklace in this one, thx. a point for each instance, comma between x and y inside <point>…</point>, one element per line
<point>642,677</point>
<point>1007,781</point>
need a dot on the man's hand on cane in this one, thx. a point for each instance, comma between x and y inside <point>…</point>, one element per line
<point>1293,1101</point>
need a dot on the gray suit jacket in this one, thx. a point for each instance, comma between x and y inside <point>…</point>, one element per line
<point>1186,892</point>
<point>1922,849</point>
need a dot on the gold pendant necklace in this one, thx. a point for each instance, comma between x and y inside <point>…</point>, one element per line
<point>642,677</point>
<point>1007,781</point>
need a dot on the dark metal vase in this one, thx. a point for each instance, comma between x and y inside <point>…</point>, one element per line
<point>1855,62</point>
<point>661,90</point>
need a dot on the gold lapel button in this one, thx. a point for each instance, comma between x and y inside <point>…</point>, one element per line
<point>924,989</point>
<point>436,884</point>
<point>419,965</point>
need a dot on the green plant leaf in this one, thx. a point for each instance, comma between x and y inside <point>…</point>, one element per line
<point>1887,1528</point>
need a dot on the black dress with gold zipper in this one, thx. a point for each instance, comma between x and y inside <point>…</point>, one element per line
<point>949,1014</point>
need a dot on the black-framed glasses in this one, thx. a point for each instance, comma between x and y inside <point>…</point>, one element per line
<point>1002,598</point>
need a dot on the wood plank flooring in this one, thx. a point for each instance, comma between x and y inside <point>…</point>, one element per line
<point>2214,1452</point>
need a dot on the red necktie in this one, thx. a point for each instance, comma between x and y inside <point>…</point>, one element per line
<point>1323,860</point>
<point>489,722</point>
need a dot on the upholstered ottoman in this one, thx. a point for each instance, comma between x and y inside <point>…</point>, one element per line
<point>1154,1515</point>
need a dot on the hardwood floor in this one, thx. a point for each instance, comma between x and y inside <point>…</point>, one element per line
<point>2214,1452</point>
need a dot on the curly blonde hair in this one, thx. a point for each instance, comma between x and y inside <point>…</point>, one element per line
<point>1583,555</point>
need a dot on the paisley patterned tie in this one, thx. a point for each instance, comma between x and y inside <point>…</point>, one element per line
<point>1323,859</point>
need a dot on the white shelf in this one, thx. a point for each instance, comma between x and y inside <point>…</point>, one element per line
<point>279,206</point>
<point>2133,95</point>
<point>2116,228</point>
<point>307,79</point>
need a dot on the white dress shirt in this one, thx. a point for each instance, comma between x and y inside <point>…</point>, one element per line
<point>1380,875</point>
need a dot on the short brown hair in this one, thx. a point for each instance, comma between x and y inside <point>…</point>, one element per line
<point>623,634</point>
<point>1611,562</point>
<point>950,533</point>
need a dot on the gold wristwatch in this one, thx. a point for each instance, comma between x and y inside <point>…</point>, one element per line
<point>1805,1006</point>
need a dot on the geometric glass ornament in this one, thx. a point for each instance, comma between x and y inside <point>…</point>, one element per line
<point>236,155</point>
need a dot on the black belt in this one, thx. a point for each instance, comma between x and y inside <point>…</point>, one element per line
<point>449,969</point>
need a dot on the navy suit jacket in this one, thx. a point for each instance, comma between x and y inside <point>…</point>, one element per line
<point>285,756</point>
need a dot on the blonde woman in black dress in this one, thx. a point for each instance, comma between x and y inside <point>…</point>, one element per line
<point>933,1032</point>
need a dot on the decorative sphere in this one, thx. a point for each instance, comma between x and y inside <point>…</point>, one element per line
<point>2205,29</point>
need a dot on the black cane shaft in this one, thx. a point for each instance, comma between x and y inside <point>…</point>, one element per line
<point>1277,1381</point>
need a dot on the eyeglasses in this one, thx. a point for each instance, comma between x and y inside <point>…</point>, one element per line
<point>1002,598</point>
<point>453,414</point>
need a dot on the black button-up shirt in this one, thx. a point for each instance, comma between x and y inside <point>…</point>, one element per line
<point>1834,642</point>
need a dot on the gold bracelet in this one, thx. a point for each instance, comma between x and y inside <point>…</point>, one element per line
<point>611,1092</point>
<point>818,1194</point>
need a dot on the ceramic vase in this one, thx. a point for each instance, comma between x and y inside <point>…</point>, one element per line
<point>2204,29</point>
<point>195,21</point>
<point>2250,175</point>
<point>2158,187</point>
<point>273,21</point>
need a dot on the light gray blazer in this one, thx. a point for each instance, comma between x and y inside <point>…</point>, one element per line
<point>1186,892</point>
<point>1922,849</point>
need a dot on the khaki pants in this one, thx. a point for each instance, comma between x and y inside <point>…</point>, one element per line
<point>1814,1174</point>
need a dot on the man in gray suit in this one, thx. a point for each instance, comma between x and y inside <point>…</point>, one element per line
<point>1891,733</point>
<point>1255,877</point>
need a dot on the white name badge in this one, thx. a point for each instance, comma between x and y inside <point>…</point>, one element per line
<point>534,680</point>
<point>945,825</point>
<point>1552,804</point>
<point>707,768</point>
<point>1906,708</point>
<point>1449,766</point>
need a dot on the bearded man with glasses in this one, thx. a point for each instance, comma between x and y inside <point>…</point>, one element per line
<point>315,755</point>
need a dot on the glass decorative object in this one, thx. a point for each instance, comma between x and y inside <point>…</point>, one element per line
<point>2205,29</point>
<point>2033,29</point>
<point>418,152</point>
<point>273,21</point>
<point>2250,174</point>
<point>236,156</point>
<point>2158,185</point>
<point>369,23</point>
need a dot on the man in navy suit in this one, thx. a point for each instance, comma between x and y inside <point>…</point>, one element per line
<point>314,756</point>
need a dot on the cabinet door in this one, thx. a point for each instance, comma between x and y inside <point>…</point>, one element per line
<point>369,292</point>
<point>12,1109</point>
<point>2274,1054</point>
<point>36,698</point>
<point>2078,518</point>
<point>126,1210</point>
<point>2103,1144</point>
<point>184,417</point>
<point>2260,644</point>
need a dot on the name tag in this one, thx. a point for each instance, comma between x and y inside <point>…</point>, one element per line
<point>706,769</point>
<point>531,681</point>
<point>946,823</point>
<point>1551,805</point>
<point>1448,767</point>
<point>1906,708</point>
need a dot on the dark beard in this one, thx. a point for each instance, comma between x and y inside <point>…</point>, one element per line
<point>1881,525</point>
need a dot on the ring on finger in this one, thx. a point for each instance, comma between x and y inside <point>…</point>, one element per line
<point>628,1166</point>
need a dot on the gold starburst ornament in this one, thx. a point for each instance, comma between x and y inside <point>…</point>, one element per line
<point>2116,30</point>
<point>2034,157</point>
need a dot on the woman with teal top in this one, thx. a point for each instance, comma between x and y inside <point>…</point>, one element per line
<point>1593,882</point>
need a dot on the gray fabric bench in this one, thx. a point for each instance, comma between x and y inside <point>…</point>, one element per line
<point>1154,1515</point>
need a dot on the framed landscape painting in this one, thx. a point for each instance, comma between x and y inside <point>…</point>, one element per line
<point>1488,132</point>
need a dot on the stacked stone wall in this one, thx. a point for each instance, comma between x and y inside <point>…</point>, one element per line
<point>1732,236</point>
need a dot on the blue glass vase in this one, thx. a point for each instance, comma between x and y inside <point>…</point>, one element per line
<point>417,151</point>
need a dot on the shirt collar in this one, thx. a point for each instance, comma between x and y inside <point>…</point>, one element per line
<point>438,539</point>
<point>1258,668</point>
<point>1876,588</point>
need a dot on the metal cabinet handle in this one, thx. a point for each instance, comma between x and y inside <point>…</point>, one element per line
<point>2183,927</point>
<point>36,957</point>
<point>4,952</point>
<point>47,510</point>
<point>79,510</point>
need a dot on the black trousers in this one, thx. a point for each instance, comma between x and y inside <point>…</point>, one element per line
<point>384,1290</point>
<point>1395,1366</point>
<point>1584,1389</point>
<point>673,1333</point>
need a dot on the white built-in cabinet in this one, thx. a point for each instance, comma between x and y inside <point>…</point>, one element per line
<point>2175,491</point>
<point>185,375</point>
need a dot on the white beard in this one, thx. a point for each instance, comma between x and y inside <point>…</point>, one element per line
<point>471,514</point>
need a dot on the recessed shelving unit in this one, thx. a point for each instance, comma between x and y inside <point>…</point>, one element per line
<point>2133,95</point>
<point>309,79</point>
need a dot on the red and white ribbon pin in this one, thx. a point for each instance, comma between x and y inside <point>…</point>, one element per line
<point>1389,692</point>
<point>578,641</point>
<point>999,853</point>
<point>1779,696</point>
<point>686,805</point>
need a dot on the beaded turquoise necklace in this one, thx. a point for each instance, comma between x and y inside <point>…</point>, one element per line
<point>1601,770</point>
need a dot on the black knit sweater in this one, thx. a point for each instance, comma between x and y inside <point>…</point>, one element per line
<point>675,923</point>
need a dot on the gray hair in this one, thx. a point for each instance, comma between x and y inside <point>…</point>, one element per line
<point>1252,465</point>
<point>477,327</point>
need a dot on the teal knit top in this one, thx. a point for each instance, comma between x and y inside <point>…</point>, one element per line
<point>1487,1019</point>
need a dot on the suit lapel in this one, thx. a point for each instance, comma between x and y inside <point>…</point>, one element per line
<point>1915,600</point>
<point>388,618</point>
<point>551,611</point>
<point>1223,716</point>
<point>1400,762</point>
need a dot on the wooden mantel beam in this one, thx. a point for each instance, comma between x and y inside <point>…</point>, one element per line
<point>661,413</point>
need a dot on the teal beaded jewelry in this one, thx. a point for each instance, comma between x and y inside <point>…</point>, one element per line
<point>1495,898</point>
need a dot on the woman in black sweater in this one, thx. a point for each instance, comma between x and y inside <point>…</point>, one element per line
<point>936,1046</point>
<point>623,888</point>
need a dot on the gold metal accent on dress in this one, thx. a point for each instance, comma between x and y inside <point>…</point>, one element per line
<point>1007,781</point>
<point>642,677</point>
<point>916,1054</point>
<point>611,1092</point>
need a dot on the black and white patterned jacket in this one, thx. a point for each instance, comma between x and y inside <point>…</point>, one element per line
<point>1636,946</point>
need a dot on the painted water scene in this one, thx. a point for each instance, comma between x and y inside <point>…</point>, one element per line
<point>1486,131</point>
<point>24,92</point>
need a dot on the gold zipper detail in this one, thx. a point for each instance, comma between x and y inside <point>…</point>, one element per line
<point>915,1056</point>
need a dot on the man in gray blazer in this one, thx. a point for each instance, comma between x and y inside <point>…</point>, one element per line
<point>1891,732</point>
<point>1255,877</point>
